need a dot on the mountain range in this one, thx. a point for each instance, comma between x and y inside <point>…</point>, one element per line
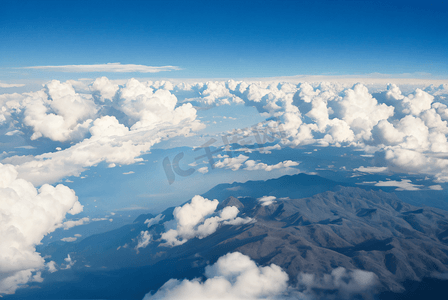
<point>312,225</point>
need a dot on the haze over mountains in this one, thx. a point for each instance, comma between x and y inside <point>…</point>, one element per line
<point>320,230</point>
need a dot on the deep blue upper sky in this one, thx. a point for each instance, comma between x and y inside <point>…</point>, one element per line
<point>227,38</point>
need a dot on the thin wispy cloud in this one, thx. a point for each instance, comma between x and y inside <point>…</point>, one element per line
<point>109,67</point>
<point>10,85</point>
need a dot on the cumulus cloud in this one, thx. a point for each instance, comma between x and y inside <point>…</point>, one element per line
<point>143,240</point>
<point>436,187</point>
<point>345,283</point>
<point>190,221</point>
<point>72,223</point>
<point>51,265</point>
<point>267,200</point>
<point>334,114</point>
<point>109,67</point>
<point>69,262</point>
<point>242,162</point>
<point>104,88</point>
<point>203,170</point>
<point>120,130</point>
<point>155,220</point>
<point>395,124</point>
<point>327,114</point>
<point>28,215</point>
<point>69,239</point>
<point>234,276</point>
<point>252,165</point>
<point>58,112</point>
<point>233,163</point>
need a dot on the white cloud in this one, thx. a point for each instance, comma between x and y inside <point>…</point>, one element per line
<point>28,215</point>
<point>58,112</point>
<point>335,114</point>
<point>105,88</point>
<point>69,239</point>
<point>371,169</point>
<point>252,165</point>
<point>61,114</point>
<point>109,67</point>
<point>345,282</point>
<point>242,162</point>
<point>360,110</point>
<point>128,173</point>
<point>436,187</point>
<point>203,170</point>
<point>51,265</point>
<point>190,221</point>
<point>72,223</point>
<point>327,114</point>
<point>233,163</point>
<point>10,85</point>
<point>267,200</point>
<point>403,185</point>
<point>69,262</point>
<point>155,220</point>
<point>143,240</point>
<point>234,276</point>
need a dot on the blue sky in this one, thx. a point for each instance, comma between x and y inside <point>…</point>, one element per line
<point>222,39</point>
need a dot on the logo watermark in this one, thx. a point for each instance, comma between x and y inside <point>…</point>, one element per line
<point>252,137</point>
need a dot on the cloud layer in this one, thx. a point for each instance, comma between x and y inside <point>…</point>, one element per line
<point>234,276</point>
<point>109,67</point>
<point>26,216</point>
<point>115,123</point>
<point>407,131</point>
<point>190,220</point>
<point>103,121</point>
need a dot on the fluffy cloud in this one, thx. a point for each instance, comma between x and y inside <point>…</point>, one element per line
<point>234,276</point>
<point>104,88</point>
<point>72,223</point>
<point>155,220</point>
<point>233,163</point>
<point>120,130</point>
<point>332,114</point>
<point>203,170</point>
<point>345,282</point>
<point>327,114</point>
<point>360,110</point>
<point>27,216</point>
<point>69,239</point>
<point>69,262</point>
<point>242,162</point>
<point>252,165</point>
<point>143,240</point>
<point>267,200</point>
<point>51,265</point>
<point>58,112</point>
<point>190,221</point>
<point>147,108</point>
